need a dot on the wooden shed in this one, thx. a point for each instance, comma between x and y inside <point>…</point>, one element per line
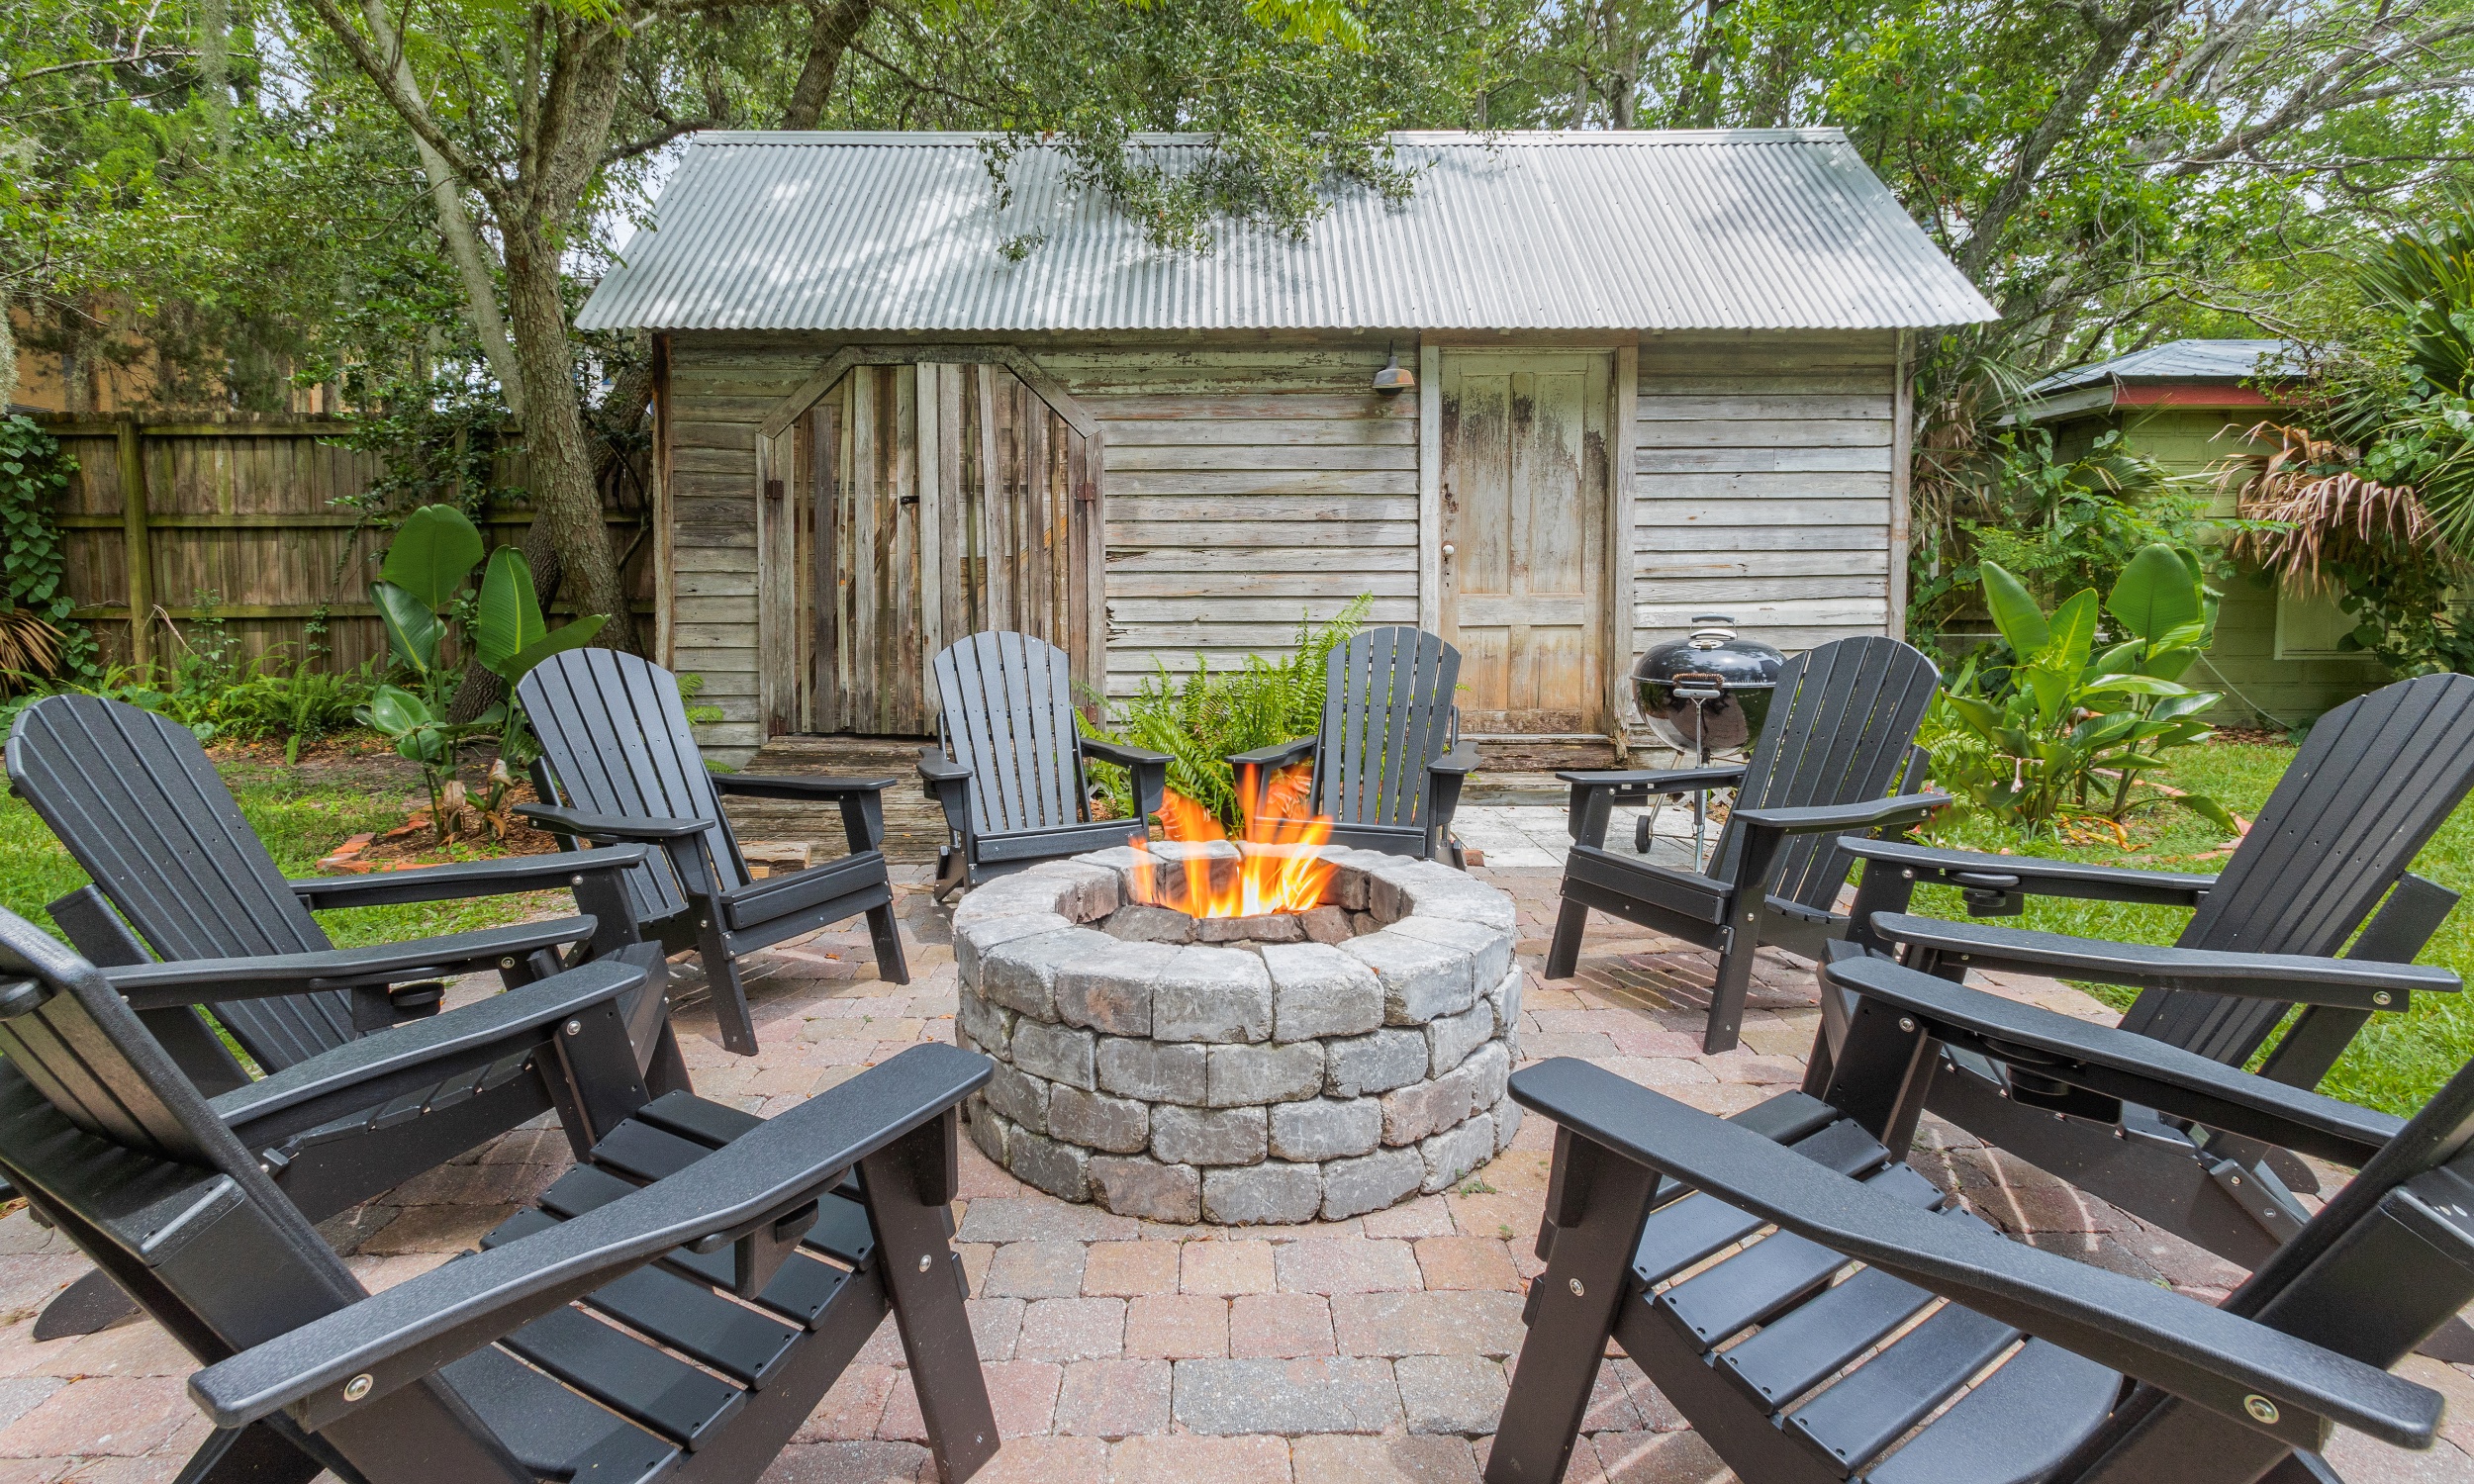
<point>1656,375</point>
<point>2187,405</point>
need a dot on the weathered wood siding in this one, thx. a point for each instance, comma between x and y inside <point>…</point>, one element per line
<point>1249,482</point>
<point>1762,483</point>
<point>719,393</point>
<point>1247,486</point>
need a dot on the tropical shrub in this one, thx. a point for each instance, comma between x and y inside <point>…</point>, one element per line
<point>2370,487</point>
<point>2056,525</point>
<point>2068,728</point>
<point>424,590</point>
<point>1201,719</point>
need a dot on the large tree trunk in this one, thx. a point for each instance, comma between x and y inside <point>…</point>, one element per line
<point>831,31</point>
<point>567,502</point>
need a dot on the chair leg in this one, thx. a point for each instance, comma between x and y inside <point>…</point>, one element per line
<point>909,1187</point>
<point>92,1303</point>
<point>1734,987</point>
<point>890,967</point>
<point>1575,1303</point>
<point>729,996</point>
<point>1564,955</point>
<point>951,872</point>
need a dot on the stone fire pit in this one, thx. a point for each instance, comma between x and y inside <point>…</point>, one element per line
<point>1270,1069</point>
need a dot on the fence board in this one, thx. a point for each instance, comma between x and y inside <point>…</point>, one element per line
<point>243,526</point>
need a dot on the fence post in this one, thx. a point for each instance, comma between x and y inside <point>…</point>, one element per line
<point>138,546</point>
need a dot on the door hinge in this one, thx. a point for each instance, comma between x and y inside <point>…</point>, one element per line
<point>773,491</point>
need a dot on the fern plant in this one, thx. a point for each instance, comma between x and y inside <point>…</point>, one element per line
<point>1198,719</point>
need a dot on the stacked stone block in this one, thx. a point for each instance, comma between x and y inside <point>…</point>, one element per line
<point>1278,1081</point>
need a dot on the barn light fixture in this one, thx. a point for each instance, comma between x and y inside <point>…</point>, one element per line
<point>1394,377</point>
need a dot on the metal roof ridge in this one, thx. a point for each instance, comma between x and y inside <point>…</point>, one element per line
<point>1443,138</point>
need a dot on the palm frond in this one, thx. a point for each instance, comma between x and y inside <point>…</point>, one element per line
<point>2315,509</point>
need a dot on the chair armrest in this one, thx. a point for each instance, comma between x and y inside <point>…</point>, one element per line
<point>1816,819</point>
<point>1278,755</point>
<point>189,982</point>
<point>2350,984</point>
<point>464,878</point>
<point>1656,779</point>
<point>590,826</point>
<point>774,786</point>
<point>1595,791</point>
<point>423,1052</point>
<point>862,800</point>
<point>1461,760</point>
<point>936,767</point>
<point>1975,871</point>
<point>2213,1357</point>
<point>1122,755</point>
<point>1146,772</point>
<point>2122,1064</point>
<point>397,1336</point>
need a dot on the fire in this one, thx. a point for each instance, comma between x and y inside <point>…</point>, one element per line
<point>1278,870</point>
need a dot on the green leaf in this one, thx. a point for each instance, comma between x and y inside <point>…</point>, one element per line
<point>2155,593</point>
<point>509,615</point>
<point>2189,703</point>
<point>2072,633</point>
<point>394,710</point>
<point>2208,810</point>
<point>433,554</point>
<point>413,626</point>
<point>2133,685</point>
<point>557,641</point>
<point>2015,611</point>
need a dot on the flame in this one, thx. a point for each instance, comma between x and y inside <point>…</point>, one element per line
<point>1279,868</point>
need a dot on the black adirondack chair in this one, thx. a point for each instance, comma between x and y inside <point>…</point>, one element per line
<point>136,802</point>
<point>1388,760</point>
<point>2375,779</point>
<point>619,763</point>
<point>1008,767</point>
<point>1837,757</point>
<point>748,1259</point>
<point>2101,1376</point>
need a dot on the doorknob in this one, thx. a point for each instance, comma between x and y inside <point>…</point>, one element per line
<point>1447,551</point>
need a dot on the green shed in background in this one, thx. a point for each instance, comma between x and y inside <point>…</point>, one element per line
<point>2187,404</point>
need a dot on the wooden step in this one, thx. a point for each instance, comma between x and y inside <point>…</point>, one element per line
<point>1542,754</point>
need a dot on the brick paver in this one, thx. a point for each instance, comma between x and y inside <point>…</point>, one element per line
<point>1376,1349</point>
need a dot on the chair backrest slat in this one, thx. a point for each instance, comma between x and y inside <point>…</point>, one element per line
<point>138,804</point>
<point>1842,725</point>
<point>1006,714</point>
<point>2372,785</point>
<point>1388,712</point>
<point>618,740</point>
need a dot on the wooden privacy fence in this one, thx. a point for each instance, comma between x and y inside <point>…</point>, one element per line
<point>236,521</point>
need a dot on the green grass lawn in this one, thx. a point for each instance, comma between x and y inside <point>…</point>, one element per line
<point>2397,1060</point>
<point>298,813</point>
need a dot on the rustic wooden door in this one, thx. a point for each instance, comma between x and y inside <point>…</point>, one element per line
<point>1524,486</point>
<point>934,502</point>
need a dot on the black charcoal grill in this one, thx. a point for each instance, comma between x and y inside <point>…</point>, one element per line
<point>1707,692</point>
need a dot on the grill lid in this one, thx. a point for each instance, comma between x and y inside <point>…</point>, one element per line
<point>1709,692</point>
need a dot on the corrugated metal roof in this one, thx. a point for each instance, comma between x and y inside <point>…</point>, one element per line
<point>2179,360</point>
<point>1706,230</point>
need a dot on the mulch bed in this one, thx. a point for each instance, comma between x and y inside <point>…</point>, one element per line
<point>415,842</point>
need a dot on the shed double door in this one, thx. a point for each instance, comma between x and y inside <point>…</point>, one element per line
<point>934,502</point>
<point>1525,484</point>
